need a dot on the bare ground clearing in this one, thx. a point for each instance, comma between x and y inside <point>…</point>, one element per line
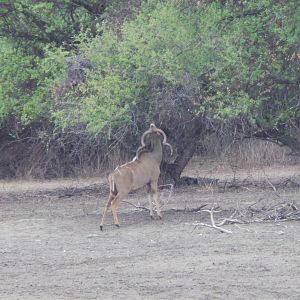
<point>51,246</point>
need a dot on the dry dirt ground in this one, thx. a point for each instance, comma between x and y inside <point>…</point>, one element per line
<point>51,246</point>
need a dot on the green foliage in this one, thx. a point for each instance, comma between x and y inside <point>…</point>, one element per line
<point>234,55</point>
<point>34,24</point>
<point>11,76</point>
<point>229,54</point>
<point>26,81</point>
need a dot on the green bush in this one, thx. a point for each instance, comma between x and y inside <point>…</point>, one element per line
<point>27,82</point>
<point>234,56</point>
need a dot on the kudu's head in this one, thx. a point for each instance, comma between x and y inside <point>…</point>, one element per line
<point>152,141</point>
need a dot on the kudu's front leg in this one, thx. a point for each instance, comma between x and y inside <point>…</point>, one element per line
<point>154,196</point>
<point>150,197</point>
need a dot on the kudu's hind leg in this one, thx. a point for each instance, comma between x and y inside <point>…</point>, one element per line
<point>114,206</point>
<point>107,206</point>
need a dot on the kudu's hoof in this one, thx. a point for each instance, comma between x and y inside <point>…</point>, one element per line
<point>101,227</point>
<point>117,225</point>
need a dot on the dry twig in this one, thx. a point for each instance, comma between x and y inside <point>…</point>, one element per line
<point>213,223</point>
<point>136,206</point>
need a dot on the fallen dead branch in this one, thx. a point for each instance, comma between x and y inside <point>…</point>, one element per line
<point>287,211</point>
<point>213,223</point>
<point>247,184</point>
<point>276,213</point>
<point>163,199</point>
<point>196,209</point>
<point>270,183</point>
<point>136,206</point>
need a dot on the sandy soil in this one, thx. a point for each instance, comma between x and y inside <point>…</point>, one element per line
<point>51,246</point>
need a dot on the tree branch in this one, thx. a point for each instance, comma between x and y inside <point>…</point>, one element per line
<point>249,13</point>
<point>94,9</point>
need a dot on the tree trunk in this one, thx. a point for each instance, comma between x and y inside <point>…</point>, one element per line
<point>170,173</point>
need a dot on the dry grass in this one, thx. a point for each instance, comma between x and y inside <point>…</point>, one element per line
<point>198,167</point>
<point>249,153</point>
<point>249,159</point>
<point>7,186</point>
<point>223,157</point>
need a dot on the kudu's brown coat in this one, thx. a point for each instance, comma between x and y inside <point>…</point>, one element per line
<point>144,169</point>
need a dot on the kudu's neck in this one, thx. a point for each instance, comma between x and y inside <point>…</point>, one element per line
<point>157,150</point>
